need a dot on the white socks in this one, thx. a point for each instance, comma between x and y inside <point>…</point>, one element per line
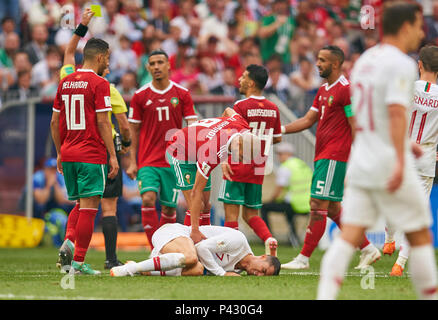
<point>423,271</point>
<point>389,234</point>
<point>333,266</point>
<point>165,262</point>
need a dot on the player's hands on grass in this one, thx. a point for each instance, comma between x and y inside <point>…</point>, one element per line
<point>416,149</point>
<point>231,274</point>
<point>131,171</point>
<point>114,167</point>
<point>226,170</point>
<point>396,178</point>
<point>86,16</point>
<point>197,236</point>
<point>59,164</point>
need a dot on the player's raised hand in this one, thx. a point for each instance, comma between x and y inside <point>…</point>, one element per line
<point>86,16</point>
<point>226,170</point>
<point>396,179</point>
<point>114,167</point>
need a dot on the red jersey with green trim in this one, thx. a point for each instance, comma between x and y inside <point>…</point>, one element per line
<point>80,96</point>
<point>263,118</point>
<point>159,112</point>
<point>206,141</point>
<point>333,133</point>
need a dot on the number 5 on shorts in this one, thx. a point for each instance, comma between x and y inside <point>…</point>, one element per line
<point>319,187</point>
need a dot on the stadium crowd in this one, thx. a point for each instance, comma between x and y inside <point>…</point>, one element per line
<point>209,42</point>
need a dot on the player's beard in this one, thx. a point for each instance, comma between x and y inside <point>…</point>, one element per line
<point>325,73</point>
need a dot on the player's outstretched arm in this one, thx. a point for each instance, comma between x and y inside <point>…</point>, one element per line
<point>228,112</point>
<point>196,206</point>
<point>69,53</point>
<point>309,119</point>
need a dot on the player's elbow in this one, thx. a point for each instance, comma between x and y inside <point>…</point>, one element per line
<point>191,259</point>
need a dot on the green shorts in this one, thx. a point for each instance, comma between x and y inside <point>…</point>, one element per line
<point>84,180</point>
<point>328,180</point>
<point>160,180</point>
<point>241,193</point>
<point>185,173</point>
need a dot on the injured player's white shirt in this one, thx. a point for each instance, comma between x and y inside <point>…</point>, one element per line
<point>222,250</point>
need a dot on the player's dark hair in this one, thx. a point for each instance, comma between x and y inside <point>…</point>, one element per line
<point>429,58</point>
<point>337,52</point>
<point>276,263</point>
<point>258,74</point>
<point>93,47</point>
<point>396,14</point>
<point>157,52</point>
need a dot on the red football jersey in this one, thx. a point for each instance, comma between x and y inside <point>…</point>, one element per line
<point>80,95</point>
<point>206,141</point>
<point>160,112</point>
<point>263,118</point>
<point>333,133</point>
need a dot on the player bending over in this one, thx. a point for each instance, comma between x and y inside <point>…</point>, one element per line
<point>225,252</point>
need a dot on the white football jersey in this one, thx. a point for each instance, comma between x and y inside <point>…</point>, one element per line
<point>382,76</point>
<point>222,250</point>
<point>423,125</point>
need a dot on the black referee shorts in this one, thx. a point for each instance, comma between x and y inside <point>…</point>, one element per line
<point>114,187</point>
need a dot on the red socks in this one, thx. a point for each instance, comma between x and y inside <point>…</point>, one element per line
<point>204,219</point>
<point>84,232</point>
<point>260,228</point>
<point>314,232</point>
<point>167,219</point>
<point>337,220</point>
<point>71,224</point>
<point>149,219</point>
<point>232,224</point>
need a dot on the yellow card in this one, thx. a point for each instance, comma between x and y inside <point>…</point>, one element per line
<point>96,9</point>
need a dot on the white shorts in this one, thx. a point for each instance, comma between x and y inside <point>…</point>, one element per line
<point>406,210</point>
<point>426,184</point>
<point>167,233</point>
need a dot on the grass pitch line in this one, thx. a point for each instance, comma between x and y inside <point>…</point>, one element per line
<point>378,274</point>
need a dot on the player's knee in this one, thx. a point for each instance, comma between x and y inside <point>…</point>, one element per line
<point>168,211</point>
<point>191,259</point>
<point>148,199</point>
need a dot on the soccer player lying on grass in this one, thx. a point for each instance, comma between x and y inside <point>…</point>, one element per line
<point>225,252</point>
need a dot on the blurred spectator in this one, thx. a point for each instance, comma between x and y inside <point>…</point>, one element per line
<point>136,23</point>
<point>278,82</point>
<point>182,21</point>
<point>7,26</point>
<point>11,8</point>
<point>228,88</point>
<point>43,71</point>
<point>276,32</point>
<point>122,60</point>
<point>170,45</point>
<point>48,91</point>
<point>37,48</point>
<point>127,85</point>
<point>210,77</point>
<point>262,9</point>
<point>305,82</point>
<point>210,49</point>
<point>177,59</point>
<point>49,190</point>
<point>292,191</point>
<point>141,46</point>
<point>12,44</point>
<point>204,9</point>
<point>161,19</point>
<point>47,12</point>
<point>188,75</point>
<point>301,48</point>
<point>112,25</point>
<point>215,25</point>
<point>245,27</point>
<point>22,89</point>
<point>432,25</point>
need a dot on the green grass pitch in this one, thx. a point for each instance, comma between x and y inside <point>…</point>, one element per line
<point>31,274</point>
